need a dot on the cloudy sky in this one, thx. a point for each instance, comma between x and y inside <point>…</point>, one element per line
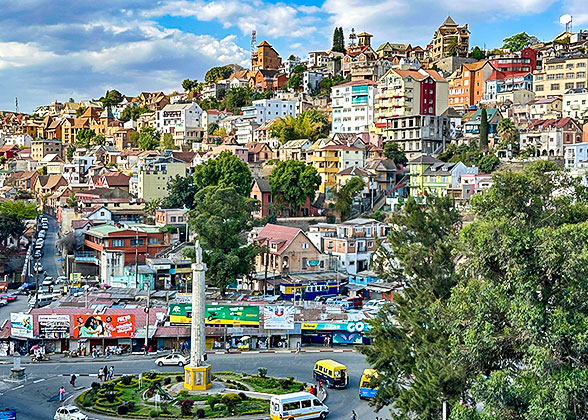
<point>56,50</point>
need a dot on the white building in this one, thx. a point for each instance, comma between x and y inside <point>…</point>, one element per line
<point>289,64</point>
<point>575,103</point>
<point>21,140</point>
<point>210,116</point>
<point>269,109</point>
<point>181,120</point>
<point>317,59</point>
<point>575,154</point>
<point>353,106</point>
<point>310,81</point>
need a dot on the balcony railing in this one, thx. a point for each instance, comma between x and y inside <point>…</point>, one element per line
<point>86,257</point>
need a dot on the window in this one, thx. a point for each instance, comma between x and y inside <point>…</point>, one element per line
<point>581,85</point>
<point>538,88</point>
<point>306,404</point>
<point>581,65</point>
<point>180,219</point>
<point>173,218</point>
<point>538,78</point>
<point>559,76</point>
<point>292,406</point>
<point>305,245</point>
<point>118,242</point>
<point>135,242</point>
<point>569,75</point>
<point>555,86</point>
<point>153,241</point>
<point>569,86</point>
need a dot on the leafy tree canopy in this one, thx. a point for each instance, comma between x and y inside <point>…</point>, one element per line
<point>19,209</point>
<point>148,138</point>
<point>393,152</point>
<point>180,193</point>
<point>167,142</point>
<point>310,124</point>
<point>111,98</point>
<point>218,73</point>
<point>133,112</point>
<point>344,196</point>
<point>227,170</point>
<point>293,182</point>
<point>519,41</point>
<point>189,85</point>
<point>478,54</point>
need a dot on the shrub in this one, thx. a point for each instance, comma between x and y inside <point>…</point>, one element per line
<point>122,409</point>
<point>150,374</point>
<point>183,394</point>
<point>186,407</point>
<point>96,385</point>
<point>108,386</point>
<point>243,396</point>
<point>262,372</point>
<point>154,414</point>
<point>110,396</point>
<point>165,408</point>
<point>200,413</point>
<point>179,378</point>
<point>243,374</point>
<point>126,380</point>
<point>212,400</point>
<point>167,380</point>
<point>131,405</point>
<point>231,400</point>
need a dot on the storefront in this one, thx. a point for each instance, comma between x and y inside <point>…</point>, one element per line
<point>331,333</point>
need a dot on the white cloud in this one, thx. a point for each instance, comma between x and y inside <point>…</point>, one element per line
<point>576,8</point>
<point>19,54</point>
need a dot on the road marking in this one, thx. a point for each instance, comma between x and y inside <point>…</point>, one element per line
<point>18,387</point>
<point>38,380</point>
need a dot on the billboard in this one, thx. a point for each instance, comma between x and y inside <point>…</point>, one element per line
<point>278,317</point>
<point>21,325</point>
<point>53,326</point>
<point>104,326</point>
<point>181,313</point>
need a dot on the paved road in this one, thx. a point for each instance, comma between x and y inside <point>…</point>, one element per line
<point>31,401</point>
<point>50,257</point>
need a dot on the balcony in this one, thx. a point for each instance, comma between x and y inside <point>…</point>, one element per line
<point>86,257</point>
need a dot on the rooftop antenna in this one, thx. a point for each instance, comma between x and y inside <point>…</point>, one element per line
<point>352,37</point>
<point>253,43</point>
<point>16,104</point>
<point>566,20</point>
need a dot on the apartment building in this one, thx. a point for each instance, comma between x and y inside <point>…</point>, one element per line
<point>450,39</point>
<point>409,92</point>
<point>501,82</point>
<point>268,109</point>
<point>550,137</point>
<point>42,148</point>
<point>524,61</point>
<point>181,120</point>
<point>265,58</point>
<point>575,104</point>
<point>559,75</point>
<point>419,134</point>
<point>466,85</point>
<point>154,176</point>
<point>353,106</point>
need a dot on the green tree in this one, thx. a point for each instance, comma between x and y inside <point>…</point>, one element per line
<point>519,315</point>
<point>99,140</point>
<point>72,201</point>
<point>80,111</point>
<point>180,193</point>
<point>111,98</point>
<point>10,227</point>
<point>218,73</point>
<point>212,127</point>
<point>148,138</point>
<point>484,129</point>
<point>518,42</point>
<point>189,85</point>
<point>393,152</point>
<point>237,98</point>
<point>344,196</point>
<point>227,170</point>
<point>220,218</point>
<point>507,130</point>
<point>84,137</point>
<point>134,137</point>
<point>488,163</point>
<point>19,209</point>
<point>209,103</point>
<point>69,152</point>
<point>150,208</point>
<point>338,40</point>
<point>478,54</point>
<point>293,182</point>
<point>132,112</point>
<point>310,124</point>
<point>294,82</point>
<point>409,347</point>
<point>167,142</point>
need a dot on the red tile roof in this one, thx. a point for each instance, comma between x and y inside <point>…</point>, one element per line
<point>282,236</point>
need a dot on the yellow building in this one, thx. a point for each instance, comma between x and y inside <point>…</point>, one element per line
<point>560,75</point>
<point>154,176</point>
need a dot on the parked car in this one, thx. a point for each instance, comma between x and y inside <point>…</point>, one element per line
<point>38,253</point>
<point>42,234</point>
<point>172,360</point>
<point>7,297</point>
<point>69,412</point>
<point>3,302</point>
<point>374,305</point>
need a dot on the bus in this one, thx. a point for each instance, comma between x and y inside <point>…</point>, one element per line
<point>367,389</point>
<point>332,373</point>
<point>298,405</point>
<point>309,291</point>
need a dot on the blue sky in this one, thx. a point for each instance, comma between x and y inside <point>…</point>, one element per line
<point>56,50</point>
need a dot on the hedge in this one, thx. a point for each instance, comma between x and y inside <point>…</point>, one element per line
<point>105,403</point>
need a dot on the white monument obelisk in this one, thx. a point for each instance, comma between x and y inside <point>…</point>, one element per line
<point>198,373</point>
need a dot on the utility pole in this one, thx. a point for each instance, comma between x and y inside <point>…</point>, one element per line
<point>266,264</point>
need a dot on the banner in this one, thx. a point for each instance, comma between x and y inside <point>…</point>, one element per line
<point>104,326</point>
<point>352,326</point>
<point>8,415</point>
<point>181,313</point>
<point>54,326</point>
<point>21,325</point>
<point>278,317</point>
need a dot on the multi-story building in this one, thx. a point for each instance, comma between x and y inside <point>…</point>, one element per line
<point>112,247</point>
<point>472,127</point>
<point>359,55</point>
<point>353,106</point>
<point>352,243</point>
<point>311,80</point>
<point>524,61</point>
<point>449,40</point>
<point>42,148</point>
<point>317,59</point>
<point>210,116</point>
<point>268,109</point>
<point>550,137</point>
<point>265,58</point>
<point>575,104</point>
<point>154,176</point>
<point>182,121</point>
<point>429,175</point>
<point>466,85</point>
<point>576,154</point>
<point>559,75</point>
<point>545,109</point>
<point>419,134</point>
<point>409,92</point>
<point>500,82</point>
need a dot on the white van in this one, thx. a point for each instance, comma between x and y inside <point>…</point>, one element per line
<point>298,406</point>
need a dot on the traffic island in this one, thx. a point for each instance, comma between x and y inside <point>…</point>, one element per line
<point>162,395</point>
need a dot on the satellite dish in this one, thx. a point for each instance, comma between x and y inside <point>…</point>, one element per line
<point>565,19</point>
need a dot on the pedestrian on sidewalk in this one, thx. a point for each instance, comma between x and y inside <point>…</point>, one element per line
<point>72,380</point>
<point>228,347</point>
<point>105,372</point>
<point>298,347</point>
<point>100,373</point>
<point>353,415</point>
<point>111,373</point>
<point>61,394</point>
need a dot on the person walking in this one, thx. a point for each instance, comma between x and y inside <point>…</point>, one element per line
<point>72,380</point>
<point>228,347</point>
<point>298,347</point>
<point>353,415</point>
<point>111,373</point>
<point>100,373</point>
<point>61,394</point>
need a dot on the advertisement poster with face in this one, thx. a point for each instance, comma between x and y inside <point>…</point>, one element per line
<point>104,326</point>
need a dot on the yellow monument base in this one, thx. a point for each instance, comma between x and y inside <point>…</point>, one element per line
<point>198,378</point>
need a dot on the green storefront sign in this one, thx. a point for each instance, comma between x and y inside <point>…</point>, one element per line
<point>181,313</point>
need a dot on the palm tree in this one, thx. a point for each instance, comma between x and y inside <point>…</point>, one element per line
<point>72,201</point>
<point>507,130</point>
<point>150,209</point>
<point>308,125</point>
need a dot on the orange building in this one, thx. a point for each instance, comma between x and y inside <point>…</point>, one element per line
<point>466,85</point>
<point>266,58</point>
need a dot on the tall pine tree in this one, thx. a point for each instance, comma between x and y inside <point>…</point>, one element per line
<point>409,347</point>
<point>338,40</point>
<point>483,129</point>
